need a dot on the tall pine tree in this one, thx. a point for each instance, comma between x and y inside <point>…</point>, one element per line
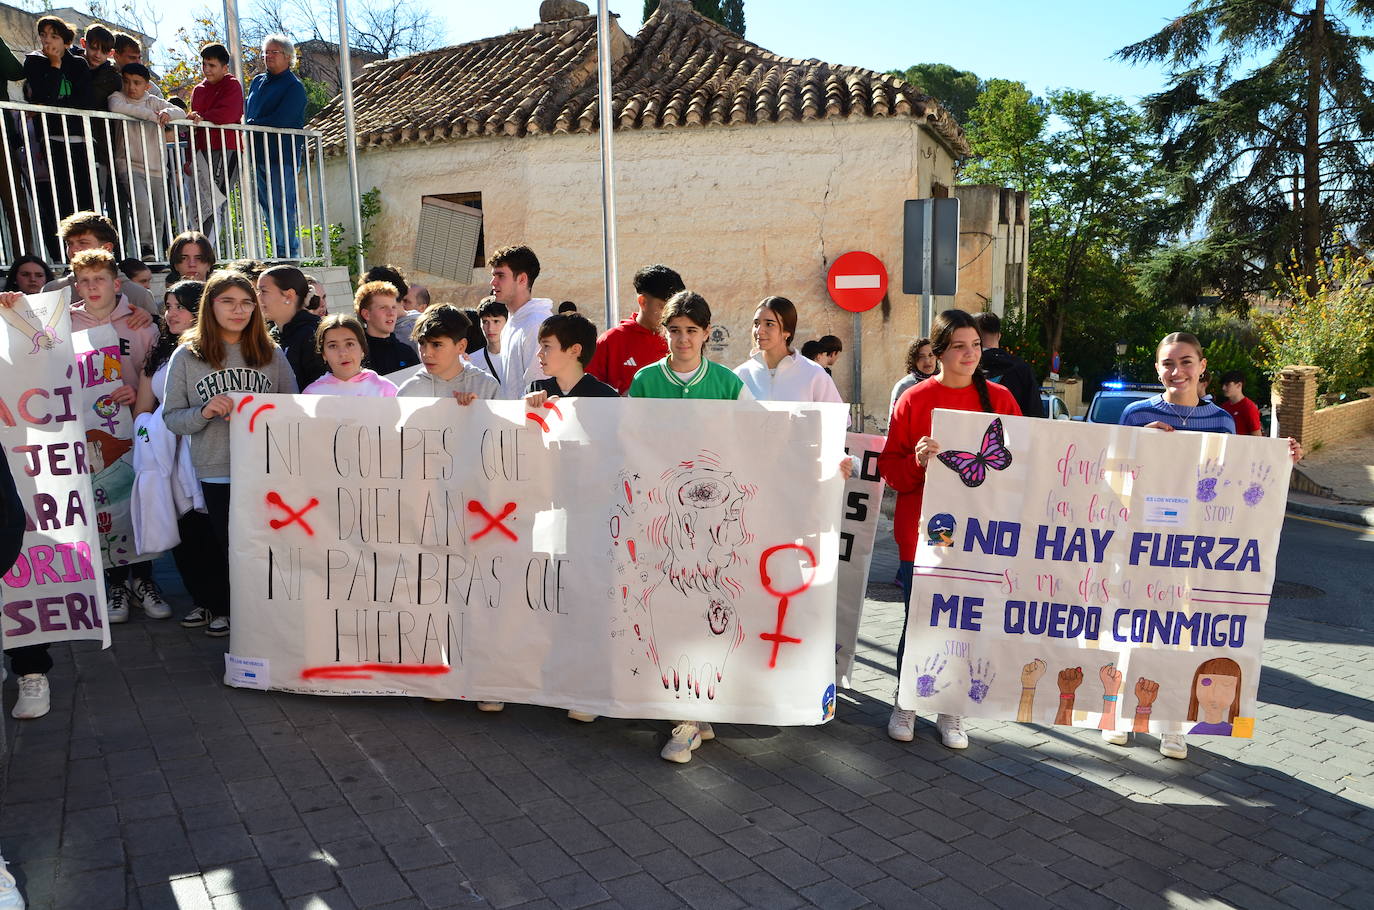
<point>1268,128</point>
<point>729,13</point>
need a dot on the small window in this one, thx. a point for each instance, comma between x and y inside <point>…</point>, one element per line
<point>450,241</point>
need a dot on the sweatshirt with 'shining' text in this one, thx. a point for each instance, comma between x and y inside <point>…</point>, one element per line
<point>191,382</point>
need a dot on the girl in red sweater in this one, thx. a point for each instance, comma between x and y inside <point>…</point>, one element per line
<point>959,385</point>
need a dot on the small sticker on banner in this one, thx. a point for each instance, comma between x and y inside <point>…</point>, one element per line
<point>1166,510</point>
<point>247,672</point>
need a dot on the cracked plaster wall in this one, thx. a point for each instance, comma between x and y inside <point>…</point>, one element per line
<point>741,213</point>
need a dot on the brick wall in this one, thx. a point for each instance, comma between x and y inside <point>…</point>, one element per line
<point>1294,397</point>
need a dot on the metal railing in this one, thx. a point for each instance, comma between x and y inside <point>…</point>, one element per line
<point>257,192</point>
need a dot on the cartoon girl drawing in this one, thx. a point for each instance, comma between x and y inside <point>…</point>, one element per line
<point>1216,691</point>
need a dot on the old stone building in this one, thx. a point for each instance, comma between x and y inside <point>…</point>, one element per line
<point>747,171</point>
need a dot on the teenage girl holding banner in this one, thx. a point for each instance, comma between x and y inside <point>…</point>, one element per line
<point>959,385</point>
<point>1180,364</point>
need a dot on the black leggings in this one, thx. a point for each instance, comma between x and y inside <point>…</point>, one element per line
<point>216,564</point>
<point>196,557</point>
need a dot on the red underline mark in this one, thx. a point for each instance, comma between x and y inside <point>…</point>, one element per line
<point>366,671</point>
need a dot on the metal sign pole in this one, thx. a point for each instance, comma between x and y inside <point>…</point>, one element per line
<point>927,268</point>
<point>606,131</point>
<point>350,133</point>
<point>858,370</point>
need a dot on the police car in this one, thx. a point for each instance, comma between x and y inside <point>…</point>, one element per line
<point>1113,397</point>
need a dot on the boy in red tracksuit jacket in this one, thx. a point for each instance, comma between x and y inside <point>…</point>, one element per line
<point>625,349</point>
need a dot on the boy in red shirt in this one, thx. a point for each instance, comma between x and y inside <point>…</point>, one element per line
<point>1233,401</point>
<point>638,341</point>
<point>218,99</point>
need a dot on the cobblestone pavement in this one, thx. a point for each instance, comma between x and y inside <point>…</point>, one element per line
<point>152,785</point>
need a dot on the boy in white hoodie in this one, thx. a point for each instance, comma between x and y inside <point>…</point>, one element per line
<point>139,154</point>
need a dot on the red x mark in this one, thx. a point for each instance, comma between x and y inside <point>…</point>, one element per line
<point>493,521</point>
<point>291,515</point>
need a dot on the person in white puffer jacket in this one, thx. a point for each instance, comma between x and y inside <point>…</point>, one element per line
<point>139,154</point>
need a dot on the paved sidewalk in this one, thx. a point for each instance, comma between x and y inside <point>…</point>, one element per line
<point>1344,475</point>
<point>152,785</point>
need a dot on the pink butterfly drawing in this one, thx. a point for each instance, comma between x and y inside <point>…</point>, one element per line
<point>972,466</point>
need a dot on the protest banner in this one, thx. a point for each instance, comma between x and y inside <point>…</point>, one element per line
<point>55,590</point>
<point>655,559</point>
<point>1094,575</point>
<point>109,442</point>
<point>863,498</point>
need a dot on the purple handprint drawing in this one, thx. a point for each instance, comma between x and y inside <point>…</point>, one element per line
<point>980,677</point>
<point>1208,473</point>
<point>930,675</point>
<point>1259,484</point>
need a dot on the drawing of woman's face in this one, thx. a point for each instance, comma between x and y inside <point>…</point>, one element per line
<point>1215,695</point>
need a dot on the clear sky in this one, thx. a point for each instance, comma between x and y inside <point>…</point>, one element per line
<point>1055,44</point>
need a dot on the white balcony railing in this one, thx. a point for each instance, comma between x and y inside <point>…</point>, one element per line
<point>257,192</point>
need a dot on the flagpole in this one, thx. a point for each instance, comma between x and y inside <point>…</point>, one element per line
<point>606,131</point>
<point>350,133</point>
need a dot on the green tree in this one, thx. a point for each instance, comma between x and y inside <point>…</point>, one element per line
<point>732,15</point>
<point>1267,123</point>
<point>1006,127</point>
<point>1091,181</point>
<point>729,13</point>
<point>957,90</point>
<point>1330,326</point>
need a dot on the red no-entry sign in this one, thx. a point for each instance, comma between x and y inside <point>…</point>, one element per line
<point>857,281</point>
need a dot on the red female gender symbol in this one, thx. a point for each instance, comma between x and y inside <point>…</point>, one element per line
<point>776,636</point>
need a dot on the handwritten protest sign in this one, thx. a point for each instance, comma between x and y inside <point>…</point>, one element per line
<point>1091,575</point>
<point>110,442</point>
<point>657,559</point>
<point>863,497</point>
<point>54,591</point>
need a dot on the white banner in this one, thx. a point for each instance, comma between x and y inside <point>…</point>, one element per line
<point>1094,575</point>
<point>635,558</point>
<point>863,499</point>
<point>55,591</point>
<point>110,442</point>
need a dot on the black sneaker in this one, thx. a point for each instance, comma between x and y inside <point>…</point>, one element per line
<point>199,616</point>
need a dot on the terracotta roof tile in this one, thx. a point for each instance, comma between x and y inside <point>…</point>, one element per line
<point>680,71</point>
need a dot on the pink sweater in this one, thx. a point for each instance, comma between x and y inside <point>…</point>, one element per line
<point>134,343</point>
<point>366,384</point>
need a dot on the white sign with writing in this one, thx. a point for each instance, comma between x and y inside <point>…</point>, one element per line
<point>1092,575</point>
<point>635,558</point>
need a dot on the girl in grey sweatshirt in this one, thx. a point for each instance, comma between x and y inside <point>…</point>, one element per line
<point>227,350</point>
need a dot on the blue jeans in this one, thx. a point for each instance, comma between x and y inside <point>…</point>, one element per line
<point>904,574</point>
<point>278,204</point>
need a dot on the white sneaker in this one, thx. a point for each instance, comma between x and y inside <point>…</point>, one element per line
<point>1116,737</point>
<point>117,603</point>
<point>901,726</point>
<point>582,716</point>
<point>951,727</point>
<point>148,597</point>
<point>491,707</point>
<point>218,627</point>
<point>686,738</point>
<point>1172,745</point>
<point>10,898</point>
<point>35,698</point>
<point>705,730</point>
